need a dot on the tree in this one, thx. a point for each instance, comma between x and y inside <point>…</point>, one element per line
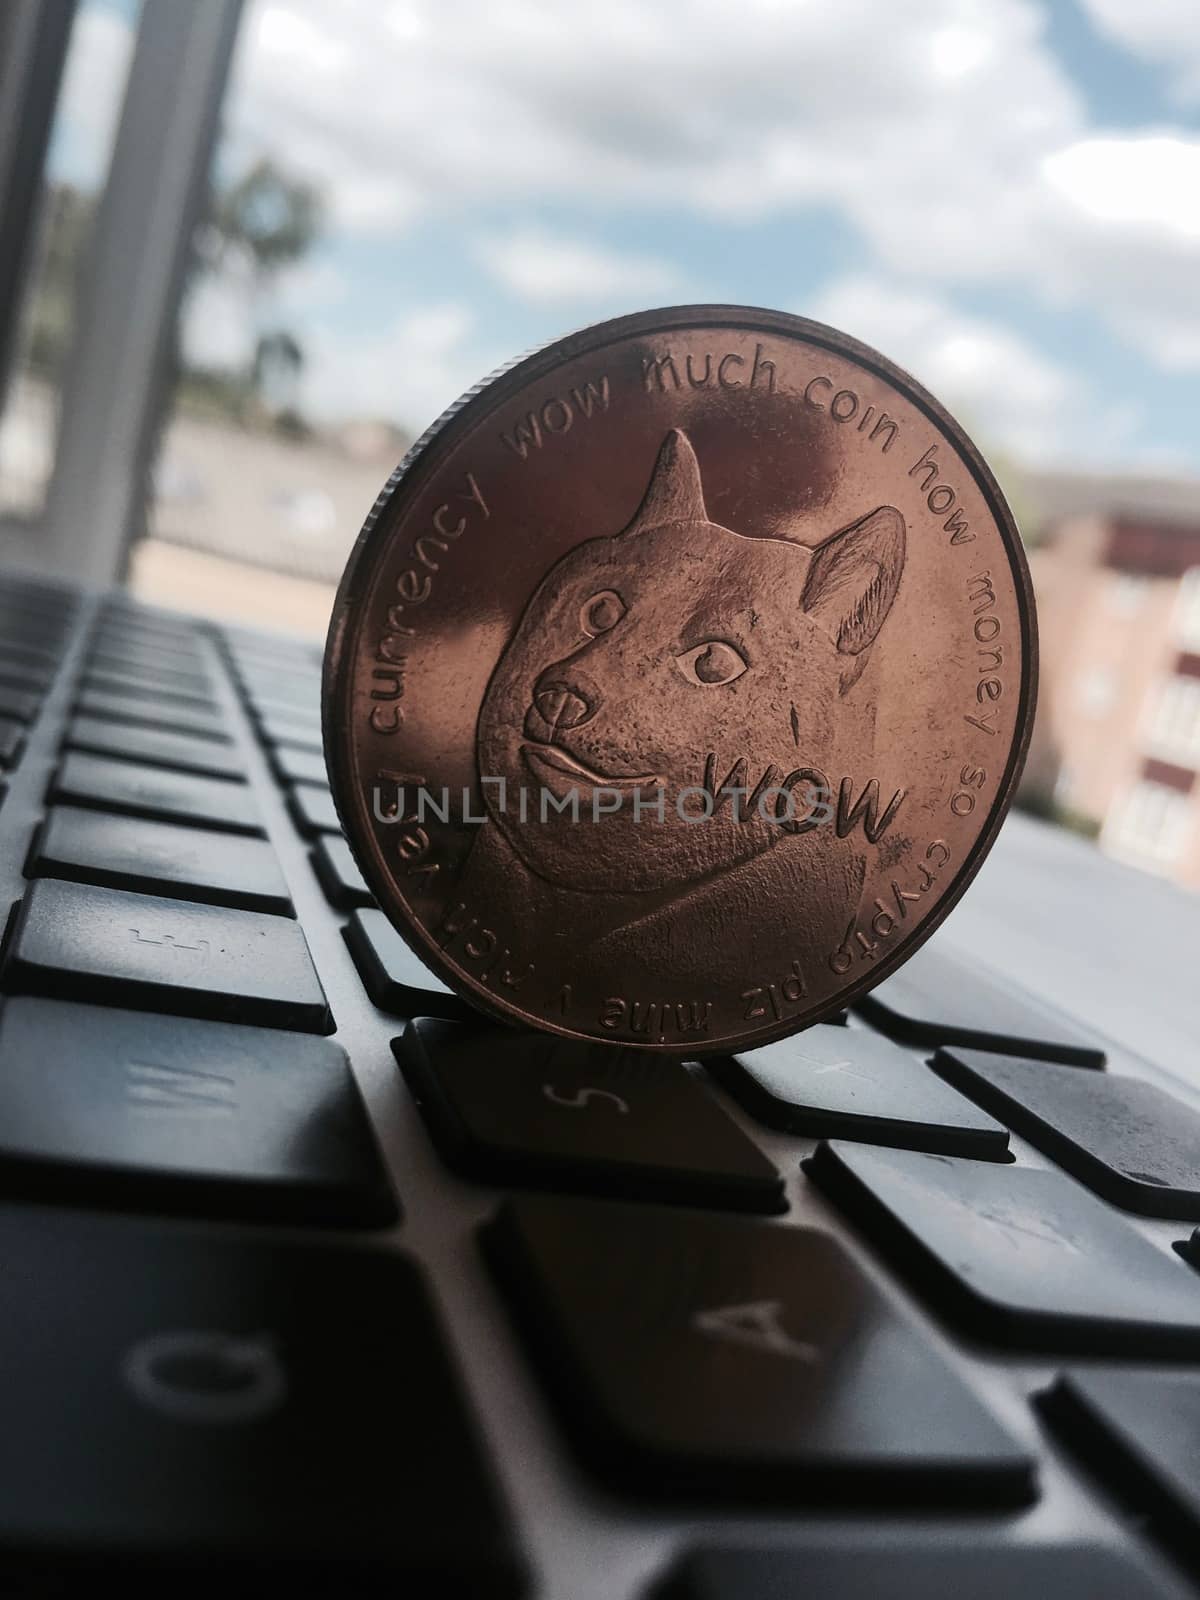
<point>261,223</point>
<point>267,218</point>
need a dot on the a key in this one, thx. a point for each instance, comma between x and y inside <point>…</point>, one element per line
<point>186,1406</point>
<point>1019,1255</point>
<point>1138,1431</point>
<point>108,785</point>
<point>148,714</point>
<point>121,852</point>
<point>156,688</point>
<point>937,999</point>
<point>173,671</point>
<point>118,948</point>
<point>691,1352</point>
<point>300,735</point>
<point>23,675</point>
<point>952,1568</point>
<point>106,1107</point>
<point>298,766</point>
<point>31,656</point>
<point>19,705</point>
<point>180,752</point>
<point>530,1110</point>
<point>1127,1139</point>
<point>396,980</point>
<point>313,810</point>
<point>185,669</point>
<point>12,741</point>
<point>123,636</point>
<point>279,697</point>
<point>335,866</point>
<point>836,1082</point>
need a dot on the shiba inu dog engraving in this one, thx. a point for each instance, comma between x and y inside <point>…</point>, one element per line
<point>680,680</point>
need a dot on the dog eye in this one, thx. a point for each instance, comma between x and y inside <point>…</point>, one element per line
<point>712,663</point>
<point>602,612</point>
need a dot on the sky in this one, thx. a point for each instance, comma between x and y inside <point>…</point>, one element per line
<point>1001,195</point>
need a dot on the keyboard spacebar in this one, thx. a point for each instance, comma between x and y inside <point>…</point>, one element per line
<point>110,946</point>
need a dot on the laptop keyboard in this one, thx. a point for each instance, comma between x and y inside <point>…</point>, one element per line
<point>296,1286</point>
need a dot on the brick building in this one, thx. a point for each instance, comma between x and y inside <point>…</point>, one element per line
<point>1117,741</point>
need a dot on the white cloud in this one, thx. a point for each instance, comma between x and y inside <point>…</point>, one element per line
<point>1144,182</point>
<point>997,383</point>
<point>543,267</point>
<point>1125,236</point>
<point>217,329</point>
<point>1163,32</point>
<point>731,110</point>
<point>952,140</point>
<point>408,371</point>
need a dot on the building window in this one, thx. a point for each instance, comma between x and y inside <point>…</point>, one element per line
<point>1187,610</point>
<point>1150,825</point>
<point>1095,691</point>
<point>1126,591</point>
<point>1175,721</point>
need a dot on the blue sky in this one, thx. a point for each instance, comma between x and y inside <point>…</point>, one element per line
<point>1002,195</point>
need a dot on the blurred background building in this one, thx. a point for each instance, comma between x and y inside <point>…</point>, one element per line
<point>1002,195</point>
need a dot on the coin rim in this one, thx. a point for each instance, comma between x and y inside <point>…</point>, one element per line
<point>423,460</point>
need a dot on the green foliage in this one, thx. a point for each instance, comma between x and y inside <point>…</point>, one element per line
<point>263,222</point>
<point>267,217</point>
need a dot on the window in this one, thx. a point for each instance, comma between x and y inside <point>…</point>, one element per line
<point>1150,826</point>
<point>81,143</point>
<point>1175,722</point>
<point>1187,610</point>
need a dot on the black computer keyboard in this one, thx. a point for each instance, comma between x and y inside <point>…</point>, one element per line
<point>294,1288</point>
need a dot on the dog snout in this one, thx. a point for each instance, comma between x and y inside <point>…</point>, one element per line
<point>563,705</point>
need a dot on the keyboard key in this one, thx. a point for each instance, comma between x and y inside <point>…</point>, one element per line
<point>107,1107</point>
<point>298,766</point>
<point>335,866</point>
<point>1138,1432</point>
<point>847,1082</point>
<point>30,656</point>
<point>176,674</point>
<point>183,670</point>
<point>691,1351</point>
<point>180,752</point>
<point>117,948</point>
<point>120,852</point>
<point>148,714</point>
<point>301,735</point>
<point>396,979</point>
<point>12,740</point>
<point>23,675</point>
<point>975,1569</point>
<point>108,785</point>
<point>1128,1140</point>
<point>149,644</point>
<point>531,1110</point>
<point>281,697</point>
<point>1019,1255</point>
<point>313,810</point>
<point>206,1413</point>
<point>19,705</point>
<point>154,687</point>
<point>937,999</point>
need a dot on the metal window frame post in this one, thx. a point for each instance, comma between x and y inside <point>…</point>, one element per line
<point>119,367</point>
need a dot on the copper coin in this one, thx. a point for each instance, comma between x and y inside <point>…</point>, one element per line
<point>679,680</point>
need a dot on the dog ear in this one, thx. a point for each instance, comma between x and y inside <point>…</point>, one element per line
<point>674,493</point>
<point>853,578</point>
